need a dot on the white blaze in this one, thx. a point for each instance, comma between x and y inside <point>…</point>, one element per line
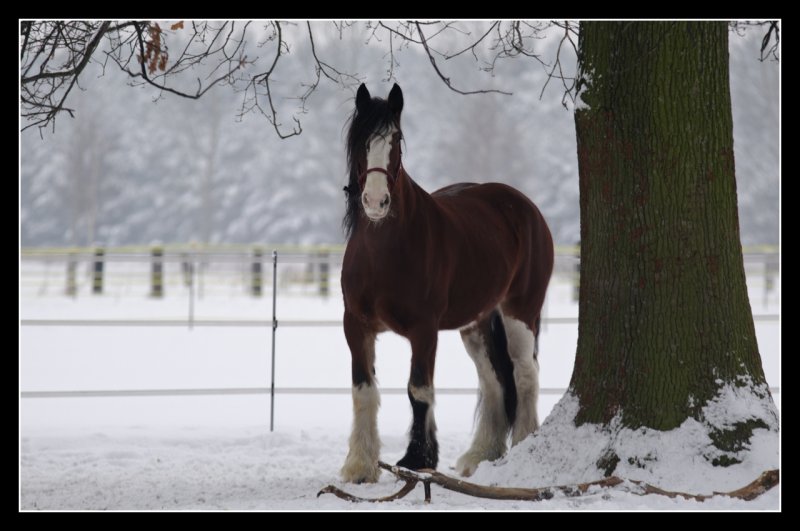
<point>376,188</point>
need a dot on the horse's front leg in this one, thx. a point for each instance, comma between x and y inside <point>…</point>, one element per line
<point>361,464</point>
<point>423,449</point>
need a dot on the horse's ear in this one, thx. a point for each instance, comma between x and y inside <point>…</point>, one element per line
<point>396,99</point>
<point>362,98</point>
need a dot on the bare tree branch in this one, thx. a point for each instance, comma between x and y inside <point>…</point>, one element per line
<point>568,87</point>
<point>471,47</point>
<point>405,36</point>
<point>73,75</point>
<point>264,79</point>
<point>54,54</point>
<point>446,79</point>
<point>771,40</point>
<point>200,90</point>
<point>766,481</point>
<point>324,68</point>
<point>69,42</point>
<point>768,50</point>
<point>390,73</point>
<point>25,28</point>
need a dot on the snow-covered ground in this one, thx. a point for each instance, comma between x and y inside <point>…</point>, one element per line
<point>216,452</point>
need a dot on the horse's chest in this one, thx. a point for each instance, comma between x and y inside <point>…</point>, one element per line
<point>390,300</point>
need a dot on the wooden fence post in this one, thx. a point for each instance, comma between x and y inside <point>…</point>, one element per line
<point>256,276</point>
<point>324,273</point>
<point>157,273</point>
<point>72,286</point>
<point>97,273</point>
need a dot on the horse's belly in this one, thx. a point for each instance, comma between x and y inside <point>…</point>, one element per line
<point>471,303</point>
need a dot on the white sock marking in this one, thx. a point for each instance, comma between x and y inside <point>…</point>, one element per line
<point>362,459</point>
<point>425,394</point>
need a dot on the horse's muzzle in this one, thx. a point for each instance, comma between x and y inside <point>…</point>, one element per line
<point>376,209</point>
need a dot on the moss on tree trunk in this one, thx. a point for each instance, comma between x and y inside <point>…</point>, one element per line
<point>665,319</point>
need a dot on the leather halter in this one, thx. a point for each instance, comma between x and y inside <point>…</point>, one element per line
<point>362,179</point>
<point>392,178</point>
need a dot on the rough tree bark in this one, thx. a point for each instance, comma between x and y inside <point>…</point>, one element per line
<point>665,319</point>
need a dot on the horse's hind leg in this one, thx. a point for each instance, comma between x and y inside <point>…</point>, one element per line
<point>486,344</point>
<point>361,464</point>
<point>521,333</point>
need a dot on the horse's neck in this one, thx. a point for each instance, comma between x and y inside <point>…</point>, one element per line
<point>413,199</point>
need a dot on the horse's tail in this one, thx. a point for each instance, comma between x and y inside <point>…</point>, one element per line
<point>501,363</point>
<point>536,338</point>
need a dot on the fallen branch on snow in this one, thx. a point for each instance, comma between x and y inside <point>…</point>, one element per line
<point>762,484</point>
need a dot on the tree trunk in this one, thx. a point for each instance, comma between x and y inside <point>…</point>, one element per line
<point>665,320</point>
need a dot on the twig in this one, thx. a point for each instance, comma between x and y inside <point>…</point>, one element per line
<point>264,79</point>
<point>408,487</point>
<point>395,32</point>
<point>200,90</point>
<point>568,89</point>
<point>771,50</point>
<point>473,45</point>
<point>447,79</point>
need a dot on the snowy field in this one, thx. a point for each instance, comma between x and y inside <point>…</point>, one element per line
<point>216,452</point>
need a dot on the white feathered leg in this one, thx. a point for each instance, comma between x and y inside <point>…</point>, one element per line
<point>489,441</point>
<point>526,377</point>
<point>361,464</point>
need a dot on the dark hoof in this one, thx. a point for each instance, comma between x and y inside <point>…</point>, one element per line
<point>416,462</point>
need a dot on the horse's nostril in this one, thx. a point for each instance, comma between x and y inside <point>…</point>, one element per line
<point>385,201</point>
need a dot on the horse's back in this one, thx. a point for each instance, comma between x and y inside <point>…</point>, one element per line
<point>453,190</point>
<point>474,204</point>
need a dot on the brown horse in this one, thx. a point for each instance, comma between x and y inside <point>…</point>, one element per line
<point>472,257</point>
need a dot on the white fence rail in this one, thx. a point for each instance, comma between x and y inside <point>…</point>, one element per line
<point>194,273</point>
<point>251,391</point>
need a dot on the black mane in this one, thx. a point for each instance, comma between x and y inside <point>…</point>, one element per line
<point>377,118</point>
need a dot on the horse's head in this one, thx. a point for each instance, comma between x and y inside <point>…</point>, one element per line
<point>373,152</point>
